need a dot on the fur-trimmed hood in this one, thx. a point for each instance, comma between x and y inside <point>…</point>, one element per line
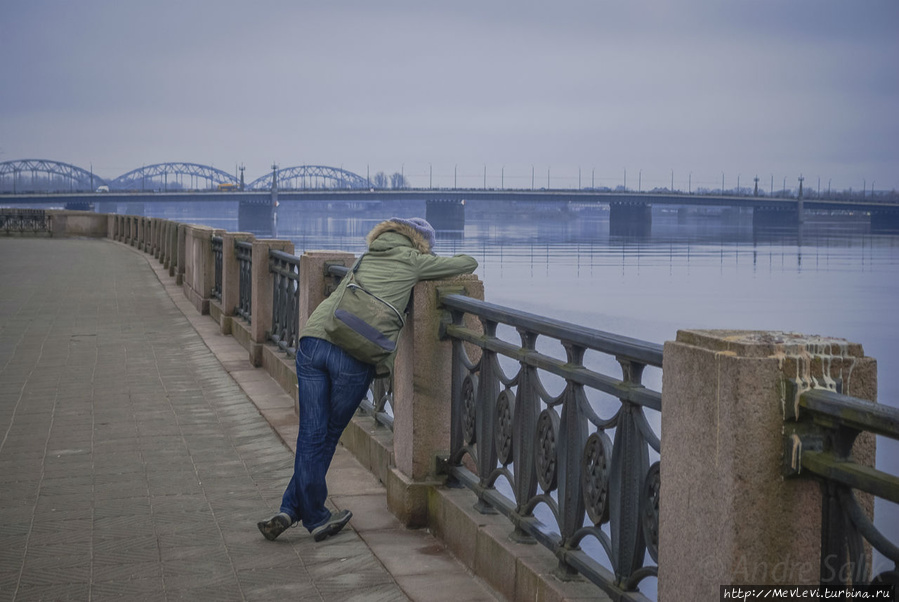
<point>419,242</point>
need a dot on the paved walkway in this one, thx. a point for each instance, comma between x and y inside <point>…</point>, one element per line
<point>134,463</point>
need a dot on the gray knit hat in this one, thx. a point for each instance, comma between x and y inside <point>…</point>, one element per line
<point>419,225</point>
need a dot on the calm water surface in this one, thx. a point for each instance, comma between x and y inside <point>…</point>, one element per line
<point>832,278</point>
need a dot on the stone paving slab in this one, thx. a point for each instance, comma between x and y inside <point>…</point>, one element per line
<point>134,466</point>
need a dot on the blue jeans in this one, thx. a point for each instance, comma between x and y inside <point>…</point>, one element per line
<point>332,383</point>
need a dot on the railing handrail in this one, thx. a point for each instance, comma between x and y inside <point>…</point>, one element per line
<point>591,338</point>
<point>338,270</point>
<point>822,445</point>
<point>288,257</point>
<point>849,411</point>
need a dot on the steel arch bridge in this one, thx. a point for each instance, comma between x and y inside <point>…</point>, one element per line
<point>311,176</point>
<point>137,179</point>
<point>74,177</point>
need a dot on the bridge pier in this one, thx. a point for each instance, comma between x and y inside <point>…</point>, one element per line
<point>885,221</point>
<point>79,206</point>
<point>630,219</point>
<point>256,216</point>
<point>445,214</point>
<point>773,217</point>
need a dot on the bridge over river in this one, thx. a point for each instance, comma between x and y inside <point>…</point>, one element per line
<point>629,212</point>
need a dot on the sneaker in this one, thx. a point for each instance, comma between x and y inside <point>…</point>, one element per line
<point>337,522</point>
<point>274,526</point>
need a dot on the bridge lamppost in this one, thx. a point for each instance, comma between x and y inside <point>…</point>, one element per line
<point>430,176</point>
<point>690,183</point>
<point>532,176</point>
<point>502,178</point>
<point>455,172</point>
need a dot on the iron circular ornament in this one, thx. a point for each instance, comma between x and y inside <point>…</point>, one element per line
<point>469,413</point>
<point>547,466</point>
<point>596,466</point>
<point>505,412</point>
<point>649,510</point>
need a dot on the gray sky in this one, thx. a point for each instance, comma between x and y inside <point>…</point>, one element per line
<point>772,88</point>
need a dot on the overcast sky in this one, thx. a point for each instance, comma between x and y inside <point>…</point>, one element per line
<point>696,88</point>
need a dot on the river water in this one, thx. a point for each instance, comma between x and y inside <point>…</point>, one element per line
<point>696,270</point>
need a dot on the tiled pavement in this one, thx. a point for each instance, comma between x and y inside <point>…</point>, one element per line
<point>134,464</point>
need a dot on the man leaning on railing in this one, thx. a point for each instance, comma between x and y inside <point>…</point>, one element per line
<point>333,379</point>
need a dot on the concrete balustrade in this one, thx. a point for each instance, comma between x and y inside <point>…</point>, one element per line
<point>728,516</point>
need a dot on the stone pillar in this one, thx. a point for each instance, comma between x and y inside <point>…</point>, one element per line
<point>261,300</point>
<point>171,242</point>
<point>422,393</point>
<point>199,266</point>
<point>315,284</point>
<point>157,230</point>
<point>149,235</point>
<point>162,238</point>
<point>180,247</point>
<point>727,514</point>
<point>230,277</point>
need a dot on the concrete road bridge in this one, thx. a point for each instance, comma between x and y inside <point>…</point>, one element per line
<point>75,188</point>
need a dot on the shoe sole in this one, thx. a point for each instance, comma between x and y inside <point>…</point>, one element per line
<point>332,528</point>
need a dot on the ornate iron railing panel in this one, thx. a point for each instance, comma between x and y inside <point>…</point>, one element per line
<point>217,255</point>
<point>818,440</point>
<point>380,406</point>
<point>24,220</point>
<point>244,252</point>
<point>285,270</point>
<point>555,450</point>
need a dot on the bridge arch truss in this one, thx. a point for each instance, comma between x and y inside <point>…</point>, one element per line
<point>156,177</point>
<point>304,177</point>
<point>22,176</point>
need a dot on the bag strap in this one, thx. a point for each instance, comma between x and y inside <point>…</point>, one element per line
<point>352,273</point>
<point>358,261</point>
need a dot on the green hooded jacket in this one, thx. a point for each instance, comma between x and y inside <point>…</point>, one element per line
<point>398,258</point>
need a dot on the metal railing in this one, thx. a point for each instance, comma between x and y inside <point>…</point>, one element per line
<point>217,250</point>
<point>555,451</point>
<point>818,440</point>
<point>244,252</point>
<point>24,220</point>
<point>380,405</point>
<point>285,270</point>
